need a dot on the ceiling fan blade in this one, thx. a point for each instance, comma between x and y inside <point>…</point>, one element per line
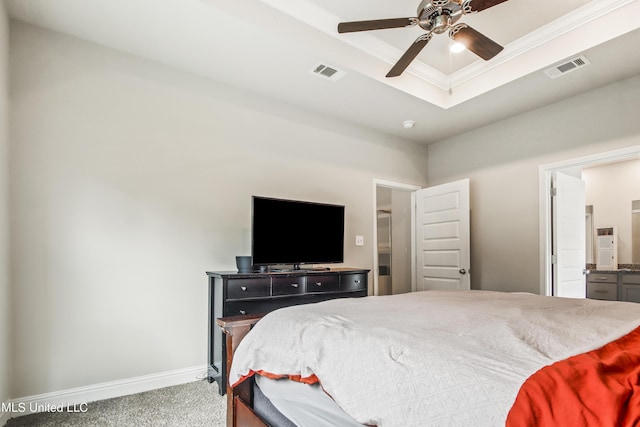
<point>409,55</point>
<point>479,5</point>
<point>476,42</point>
<point>378,24</point>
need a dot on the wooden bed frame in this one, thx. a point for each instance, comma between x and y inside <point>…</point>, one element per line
<point>240,398</point>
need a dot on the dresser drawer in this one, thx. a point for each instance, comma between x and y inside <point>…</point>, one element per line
<point>248,288</point>
<point>353,282</point>
<point>605,291</point>
<point>288,285</point>
<point>241,308</point>
<point>323,283</point>
<point>603,277</point>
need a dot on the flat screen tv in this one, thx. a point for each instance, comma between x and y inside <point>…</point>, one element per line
<point>296,232</point>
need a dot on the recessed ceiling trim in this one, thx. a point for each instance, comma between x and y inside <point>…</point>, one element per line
<point>614,24</point>
<point>566,24</point>
<point>578,18</point>
<point>475,75</point>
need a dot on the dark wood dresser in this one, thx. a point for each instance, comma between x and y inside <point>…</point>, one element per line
<point>232,294</point>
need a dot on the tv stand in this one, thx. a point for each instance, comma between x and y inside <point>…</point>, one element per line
<point>233,294</point>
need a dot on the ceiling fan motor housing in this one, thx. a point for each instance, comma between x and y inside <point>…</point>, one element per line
<point>438,15</point>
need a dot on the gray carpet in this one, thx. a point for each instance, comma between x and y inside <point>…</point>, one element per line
<point>193,404</point>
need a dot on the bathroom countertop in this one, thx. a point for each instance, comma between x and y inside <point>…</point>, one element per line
<point>622,270</point>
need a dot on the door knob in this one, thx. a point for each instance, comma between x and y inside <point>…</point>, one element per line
<point>463,271</point>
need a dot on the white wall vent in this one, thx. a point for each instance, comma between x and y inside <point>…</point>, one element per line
<point>567,67</point>
<point>328,72</point>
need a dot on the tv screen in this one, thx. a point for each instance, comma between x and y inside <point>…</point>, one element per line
<point>296,232</point>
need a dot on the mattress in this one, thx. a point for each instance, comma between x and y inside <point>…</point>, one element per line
<point>298,405</point>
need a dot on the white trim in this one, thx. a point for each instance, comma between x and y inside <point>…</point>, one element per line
<point>544,213</point>
<point>101,391</point>
<point>4,417</point>
<point>398,186</point>
<point>413,240</point>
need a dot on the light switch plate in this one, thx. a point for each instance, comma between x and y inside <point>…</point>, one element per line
<point>359,240</point>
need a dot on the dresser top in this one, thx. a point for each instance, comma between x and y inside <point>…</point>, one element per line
<point>285,273</point>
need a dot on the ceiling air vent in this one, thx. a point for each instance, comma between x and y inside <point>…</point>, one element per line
<point>328,72</point>
<point>567,67</point>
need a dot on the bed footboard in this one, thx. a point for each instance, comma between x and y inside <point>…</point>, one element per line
<point>239,398</point>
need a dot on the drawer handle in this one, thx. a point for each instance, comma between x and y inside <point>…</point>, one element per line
<point>243,312</point>
<point>356,281</point>
<point>243,288</point>
<point>294,285</point>
<point>603,277</point>
<point>318,283</point>
<point>600,292</point>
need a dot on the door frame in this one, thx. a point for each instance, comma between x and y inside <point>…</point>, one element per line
<point>394,186</point>
<point>544,196</point>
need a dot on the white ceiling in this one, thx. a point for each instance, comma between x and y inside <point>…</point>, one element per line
<point>268,47</point>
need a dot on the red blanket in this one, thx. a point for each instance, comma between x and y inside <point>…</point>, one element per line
<point>600,388</point>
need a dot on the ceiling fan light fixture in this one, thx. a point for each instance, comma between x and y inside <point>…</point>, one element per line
<point>457,47</point>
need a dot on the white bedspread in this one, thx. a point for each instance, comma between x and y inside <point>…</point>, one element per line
<point>433,358</point>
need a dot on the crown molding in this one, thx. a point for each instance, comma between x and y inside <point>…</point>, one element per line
<point>514,55</point>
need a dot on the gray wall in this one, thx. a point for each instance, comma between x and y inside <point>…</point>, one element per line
<point>5,305</point>
<point>502,161</point>
<point>610,189</point>
<point>130,180</point>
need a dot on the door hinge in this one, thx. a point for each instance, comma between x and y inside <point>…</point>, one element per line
<point>554,259</point>
<point>554,191</point>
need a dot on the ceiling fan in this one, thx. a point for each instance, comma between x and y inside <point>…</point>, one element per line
<point>435,17</point>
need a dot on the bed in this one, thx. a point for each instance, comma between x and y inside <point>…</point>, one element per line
<point>438,358</point>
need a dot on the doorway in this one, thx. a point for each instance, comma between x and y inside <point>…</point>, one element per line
<point>421,237</point>
<point>546,173</point>
<point>393,237</point>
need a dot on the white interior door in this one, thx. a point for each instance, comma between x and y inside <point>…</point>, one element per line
<point>569,249</point>
<point>442,237</point>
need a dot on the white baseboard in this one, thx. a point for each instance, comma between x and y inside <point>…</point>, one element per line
<point>76,399</point>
